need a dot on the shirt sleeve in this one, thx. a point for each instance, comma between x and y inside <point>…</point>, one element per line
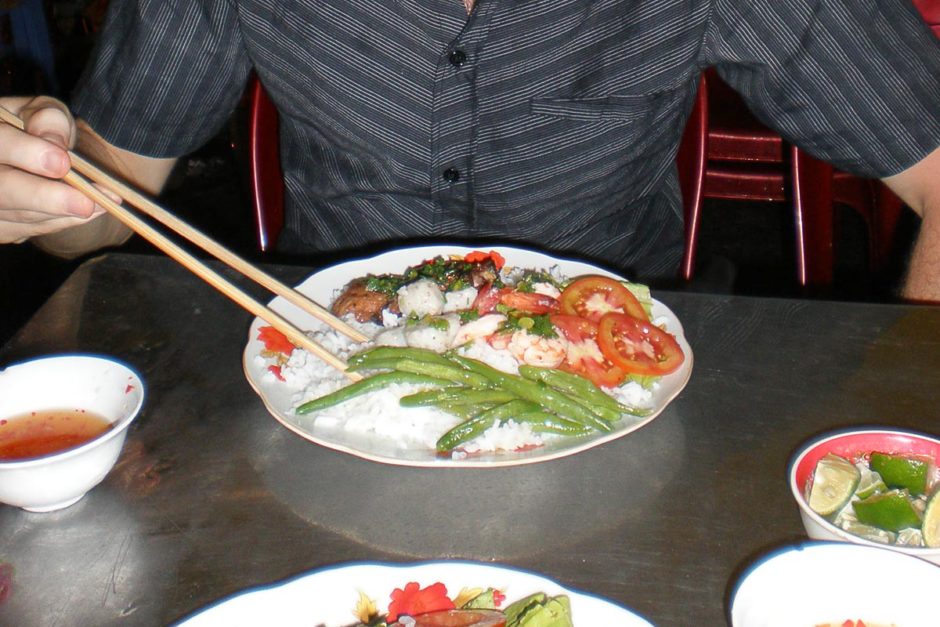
<point>165,75</point>
<point>853,82</point>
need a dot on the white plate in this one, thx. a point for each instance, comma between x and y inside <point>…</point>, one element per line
<point>321,288</point>
<point>328,597</point>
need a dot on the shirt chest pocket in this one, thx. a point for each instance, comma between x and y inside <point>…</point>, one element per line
<point>622,109</point>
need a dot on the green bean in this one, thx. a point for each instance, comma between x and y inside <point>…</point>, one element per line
<point>369,384</point>
<point>474,427</point>
<point>547,422</point>
<point>537,392</point>
<point>397,352</point>
<point>451,372</point>
<point>465,410</point>
<point>372,364</point>
<point>583,390</point>
<point>464,432</point>
<point>456,395</point>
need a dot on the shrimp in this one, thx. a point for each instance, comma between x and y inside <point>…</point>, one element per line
<point>536,350</point>
<point>481,327</point>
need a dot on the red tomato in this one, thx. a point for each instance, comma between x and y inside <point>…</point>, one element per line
<point>529,302</point>
<point>486,300</point>
<point>593,296</point>
<point>638,346</point>
<point>460,618</point>
<point>584,357</point>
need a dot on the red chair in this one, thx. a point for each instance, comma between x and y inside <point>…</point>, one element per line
<point>264,163</point>
<point>930,11</point>
<point>740,159</point>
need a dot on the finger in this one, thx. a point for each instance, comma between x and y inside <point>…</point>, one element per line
<point>17,232</point>
<point>33,154</point>
<point>51,119</point>
<point>24,191</point>
<point>50,130</point>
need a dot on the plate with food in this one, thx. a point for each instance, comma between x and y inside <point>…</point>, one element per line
<point>486,357</point>
<point>427,594</point>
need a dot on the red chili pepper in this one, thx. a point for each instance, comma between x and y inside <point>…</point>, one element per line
<point>276,371</point>
<point>498,598</point>
<point>275,341</point>
<point>414,600</point>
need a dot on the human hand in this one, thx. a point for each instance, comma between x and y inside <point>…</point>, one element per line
<point>33,201</point>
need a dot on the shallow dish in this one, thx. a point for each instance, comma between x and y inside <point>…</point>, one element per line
<point>322,286</point>
<point>851,444</point>
<point>89,383</point>
<point>823,583</point>
<point>328,597</point>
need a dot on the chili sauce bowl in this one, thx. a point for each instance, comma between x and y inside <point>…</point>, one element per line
<point>63,422</point>
<point>833,584</point>
<point>852,445</point>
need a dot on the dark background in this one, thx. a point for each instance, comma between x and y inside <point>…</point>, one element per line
<point>744,248</point>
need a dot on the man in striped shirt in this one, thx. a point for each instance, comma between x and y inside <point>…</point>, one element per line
<point>549,122</point>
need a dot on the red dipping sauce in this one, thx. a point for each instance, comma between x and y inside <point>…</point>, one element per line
<point>40,433</point>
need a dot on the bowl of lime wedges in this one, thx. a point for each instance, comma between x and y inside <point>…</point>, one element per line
<point>875,487</point>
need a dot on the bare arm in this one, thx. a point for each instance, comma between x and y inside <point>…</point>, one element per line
<point>35,205</point>
<point>919,187</point>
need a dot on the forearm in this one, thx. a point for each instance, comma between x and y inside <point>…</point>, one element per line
<point>919,188</point>
<point>923,276</point>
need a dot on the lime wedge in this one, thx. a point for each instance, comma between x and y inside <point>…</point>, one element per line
<point>834,482</point>
<point>870,483</point>
<point>931,526</point>
<point>891,511</point>
<point>901,471</point>
<point>873,534</point>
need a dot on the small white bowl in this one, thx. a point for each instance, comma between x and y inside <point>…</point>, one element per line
<point>851,444</point>
<point>827,583</point>
<point>88,382</point>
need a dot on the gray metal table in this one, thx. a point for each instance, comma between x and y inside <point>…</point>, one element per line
<point>212,495</point>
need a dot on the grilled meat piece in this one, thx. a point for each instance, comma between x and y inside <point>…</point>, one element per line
<point>360,301</point>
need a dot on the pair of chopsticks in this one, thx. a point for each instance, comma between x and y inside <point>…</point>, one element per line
<point>137,200</point>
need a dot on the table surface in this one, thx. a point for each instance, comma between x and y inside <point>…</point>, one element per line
<point>211,495</point>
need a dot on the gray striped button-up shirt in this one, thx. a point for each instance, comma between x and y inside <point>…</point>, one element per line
<point>550,122</point>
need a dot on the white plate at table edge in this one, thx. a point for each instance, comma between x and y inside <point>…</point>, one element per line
<point>328,596</point>
<point>321,287</point>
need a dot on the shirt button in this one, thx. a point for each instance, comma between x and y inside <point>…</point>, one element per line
<point>457,58</point>
<point>451,175</point>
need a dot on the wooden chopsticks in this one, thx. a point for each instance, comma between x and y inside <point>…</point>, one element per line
<point>141,202</point>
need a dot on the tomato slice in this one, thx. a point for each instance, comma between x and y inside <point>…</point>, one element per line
<point>593,296</point>
<point>487,298</point>
<point>529,302</point>
<point>638,346</point>
<point>584,356</point>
